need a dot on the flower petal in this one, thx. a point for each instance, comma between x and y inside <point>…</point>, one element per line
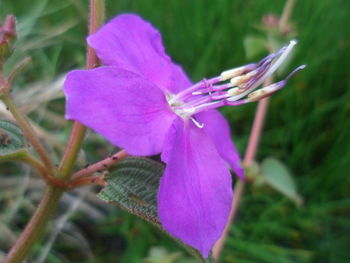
<point>195,193</point>
<point>131,43</point>
<point>216,126</point>
<point>123,107</point>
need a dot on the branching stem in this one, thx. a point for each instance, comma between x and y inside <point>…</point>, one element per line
<point>37,224</point>
<point>100,166</point>
<point>28,131</point>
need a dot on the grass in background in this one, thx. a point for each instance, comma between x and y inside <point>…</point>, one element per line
<point>307,126</point>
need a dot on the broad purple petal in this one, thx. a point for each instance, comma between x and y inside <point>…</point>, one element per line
<point>195,193</point>
<point>123,107</point>
<point>131,43</point>
<point>216,126</point>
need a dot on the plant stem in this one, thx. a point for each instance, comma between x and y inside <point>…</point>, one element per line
<point>36,226</point>
<point>24,156</point>
<point>71,153</point>
<point>18,68</point>
<point>248,159</point>
<point>52,195</point>
<point>89,180</point>
<point>82,177</point>
<point>101,165</point>
<point>253,140</point>
<point>75,142</point>
<point>28,131</point>
<point>287,10</point>
<point>31,160</point>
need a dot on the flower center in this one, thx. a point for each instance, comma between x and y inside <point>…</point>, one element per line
<point>233,87</point>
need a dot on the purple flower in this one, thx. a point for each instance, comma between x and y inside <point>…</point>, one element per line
<point>141,101</point>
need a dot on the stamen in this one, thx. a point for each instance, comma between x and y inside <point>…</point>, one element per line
<point>234,91</point>
<point>240,82</point>
<point>268,73</point>
<point>183,95</point>
<point>279,61</point>
<point>266,91</point>
<point>269,90</point>
<point>295,71</point>
<point>199,125</point>
<point>231,73</point>
<point>220,103</point>
<point>237,81</point>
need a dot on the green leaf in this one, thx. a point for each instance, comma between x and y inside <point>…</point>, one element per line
<point>161,255</point>
<point>133,185</point>
<point>276,175</point>
<point>11,138</point>
<point>254,46</point>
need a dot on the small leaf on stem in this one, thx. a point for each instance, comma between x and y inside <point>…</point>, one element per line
<point>254,46</point>
<point>276,175</point>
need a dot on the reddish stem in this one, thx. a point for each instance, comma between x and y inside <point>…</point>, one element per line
<point>100,166</point>
<point>77,135</point>
<point>93,180</point>
<point>248,159</point>
<point>256,130</point>
<point>36,226</point>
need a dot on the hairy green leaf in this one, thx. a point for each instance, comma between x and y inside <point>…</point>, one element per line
<point>11,138</point>
<point>133,185</point>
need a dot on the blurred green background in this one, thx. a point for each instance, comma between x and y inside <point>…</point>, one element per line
<point>307,128</point>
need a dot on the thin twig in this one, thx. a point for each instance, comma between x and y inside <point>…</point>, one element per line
<point>100,166</point>
<point>59,225</point>
<point>28,132</point>
<point>287,10</point>
<point>31,160</point>
<point>78,131</point>
<point>89,180</point>
<point>18,68</point>
<point>248,159</point>
<point>37,224</point>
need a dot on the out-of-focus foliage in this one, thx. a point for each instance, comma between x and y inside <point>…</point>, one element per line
<point>307,127</point>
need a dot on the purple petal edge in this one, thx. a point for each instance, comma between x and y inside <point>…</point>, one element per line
<point>123,107</point>
<point>216,126</point>
<point>195,194</point>
<point>129,42</point>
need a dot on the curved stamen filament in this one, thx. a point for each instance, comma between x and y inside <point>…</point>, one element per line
<point>183,95</point>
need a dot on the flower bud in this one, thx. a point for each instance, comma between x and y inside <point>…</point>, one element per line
<point>8,36</point>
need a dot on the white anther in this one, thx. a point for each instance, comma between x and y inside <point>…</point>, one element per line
<point>266,91</point>
<point>231,73</point>
<point>234,91</point>
<point>269,72</point>
<point>256,95</point>
<point>242,79</point>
